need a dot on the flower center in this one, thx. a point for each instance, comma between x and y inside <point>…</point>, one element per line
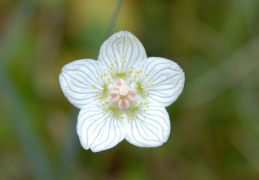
<point>123,94</point>
<point>124,89</point>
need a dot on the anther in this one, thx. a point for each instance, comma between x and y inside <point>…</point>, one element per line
<point>124,89</point>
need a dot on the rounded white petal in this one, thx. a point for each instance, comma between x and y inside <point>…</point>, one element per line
<point>78,81</point>
<point>122,50</point>
<point>150,129</point>
<point>162,80</point>
<point>98,131</point>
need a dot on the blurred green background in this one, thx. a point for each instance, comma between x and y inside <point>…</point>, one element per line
<point>215,122</point>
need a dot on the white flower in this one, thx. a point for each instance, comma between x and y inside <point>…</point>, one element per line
<point>122,95</point>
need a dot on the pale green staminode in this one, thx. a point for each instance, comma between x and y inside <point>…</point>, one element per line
<point>122,95</point>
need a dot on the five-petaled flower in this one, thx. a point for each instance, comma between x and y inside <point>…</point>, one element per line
<point>122,95</point>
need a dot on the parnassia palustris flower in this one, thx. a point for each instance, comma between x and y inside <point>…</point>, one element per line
<point>122,95</point>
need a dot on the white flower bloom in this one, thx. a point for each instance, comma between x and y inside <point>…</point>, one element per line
<point>122,95</point>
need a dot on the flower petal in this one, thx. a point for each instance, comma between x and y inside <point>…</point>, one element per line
<point>78,81</point>
<point>97,130</point>
<point>162,80</point>
<point>122,49</point>
<point>150,128</point>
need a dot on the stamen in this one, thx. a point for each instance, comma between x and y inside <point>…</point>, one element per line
<point>122,94</point>
<point>124,89</point>
<point>123,103</point>
<point>119,83</point>
<point>115,96</point>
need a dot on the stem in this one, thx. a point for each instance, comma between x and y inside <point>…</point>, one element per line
<point>114,19</point>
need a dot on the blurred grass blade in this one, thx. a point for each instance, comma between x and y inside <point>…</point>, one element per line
<point>18,118</point>
<point>235,69</point>
<point>70,149</point>
<point>15,27</point>
<point>114,19</point>
<point>240,20</point>
<point>17,114</point>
